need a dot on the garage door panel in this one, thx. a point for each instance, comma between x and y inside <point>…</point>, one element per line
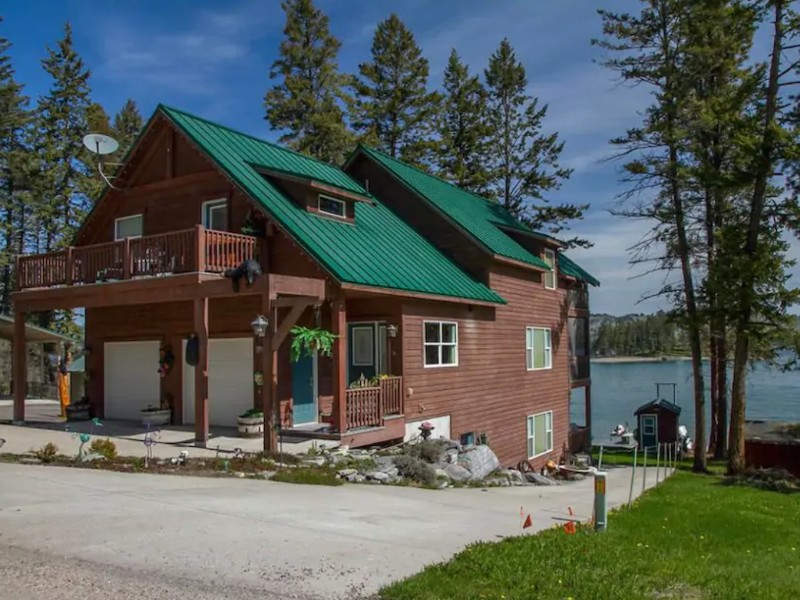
<point>130,378</point>
<point>230,381</point>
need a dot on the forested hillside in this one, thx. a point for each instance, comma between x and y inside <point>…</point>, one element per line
<point>637,335</point>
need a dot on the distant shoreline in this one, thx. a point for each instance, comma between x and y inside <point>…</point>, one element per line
<point>638,359</point>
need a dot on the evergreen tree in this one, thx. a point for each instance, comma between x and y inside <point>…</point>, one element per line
<point>308,102</point>
<point>524,159</point>
<point>128,123</point>
<point>393,103</point>
<point>14,118</point>
<point>464,129</point>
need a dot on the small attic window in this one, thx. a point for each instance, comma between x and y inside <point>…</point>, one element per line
<point>331,206</point>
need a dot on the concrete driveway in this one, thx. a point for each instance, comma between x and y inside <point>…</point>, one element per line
<point>71,533</point>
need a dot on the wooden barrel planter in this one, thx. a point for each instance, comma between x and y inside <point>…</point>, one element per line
<point>251,424</point>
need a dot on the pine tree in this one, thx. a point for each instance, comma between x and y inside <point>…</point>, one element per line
<point>309,101</point>
<point>524,159</point>
<point>14,118</point>
<point>393,103</point>
<point>127,125</point>
<point>464,129</point>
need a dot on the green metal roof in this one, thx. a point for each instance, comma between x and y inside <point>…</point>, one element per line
<point>476,215</point>
<point>379,250</point>
<point>570,268</point>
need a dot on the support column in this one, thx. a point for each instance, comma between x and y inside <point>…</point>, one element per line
<point>19,358</point>
<point>339,329</point>
<point>271,406</point>
<point>201,373</point>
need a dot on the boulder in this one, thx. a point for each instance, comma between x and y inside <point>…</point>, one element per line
<point>384,461</point>
<point>315,461</point>
<point>480,462</point>
<point>457,473</point>
<point>93,456</point>
<point>497,481</point>
<point>451,456</point>
<point>378,476</point>
<point>391,471</point>
<point>540,479</point>
<point>514,476</point>
<point>442,474</point>
<point>347,472</point>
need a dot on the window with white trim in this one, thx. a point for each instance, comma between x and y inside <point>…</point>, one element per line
<point>128,227</point>
<point>215,214</point>
<point>538,348</point>
<point>550,276</point>
<point>540,434</point>
<point>441,344</point>
<point>331,206</point>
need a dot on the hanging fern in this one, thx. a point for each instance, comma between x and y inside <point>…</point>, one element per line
<point>308,339</point>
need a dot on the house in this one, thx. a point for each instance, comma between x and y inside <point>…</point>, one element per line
<point>463,312</point>
<point>772,445</point>
<point>657,423</point>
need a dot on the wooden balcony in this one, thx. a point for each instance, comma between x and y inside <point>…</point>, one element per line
<point>187,251</point>
<point>579,368</point>
<point>578,298</point>
<point>369,406</point>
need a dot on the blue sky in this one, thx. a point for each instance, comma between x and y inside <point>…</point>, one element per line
<point>213,58</point>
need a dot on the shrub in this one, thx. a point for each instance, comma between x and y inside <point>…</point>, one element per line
<point>308,476</point>
<point>415,469</point>
<point>105,448</point>
<point>252,413</point>
<point>47,453</point>
<point>431,451</point>
<point>277,457</point>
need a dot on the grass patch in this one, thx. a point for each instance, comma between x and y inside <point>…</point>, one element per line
<point>308,476</point>
<point>625,459</point>
<point>690,538</point>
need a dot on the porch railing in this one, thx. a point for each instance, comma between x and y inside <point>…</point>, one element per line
<point>368,406</point>
<point>185,251</point>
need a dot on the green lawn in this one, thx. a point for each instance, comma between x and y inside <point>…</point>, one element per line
<point>691,538</point>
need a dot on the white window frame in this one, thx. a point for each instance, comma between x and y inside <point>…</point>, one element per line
<point>210,205</point>
<point>440,344</point>
<point>530,423</point>
<point>371,330</point>
<point>343,204</point>
<point>530,348</point>
<point>551,256</point>
<point>117,237</point>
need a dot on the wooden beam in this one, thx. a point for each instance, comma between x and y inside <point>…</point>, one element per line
<point>316,185</point>
<point>271,406</point>
<point>201,373</point>
<point>19,359</point>
<point>287,323</point>
<point>289,301</point>
<point>155,144</point>
<point>167,184</point>
<point>296,286</point>
<point>518,263</point>
<point>170,166</point>
<point>339,329</point>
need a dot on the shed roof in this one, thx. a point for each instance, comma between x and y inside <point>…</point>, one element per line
<point>483,219</point>
<point>772,432</point>
<point>658,404</point>
<point>378,250</point>
<point>33,333</point>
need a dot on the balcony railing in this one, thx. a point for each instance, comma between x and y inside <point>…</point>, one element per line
<point>579,368</point>
<point>368,406</point>
<point>186,251</point>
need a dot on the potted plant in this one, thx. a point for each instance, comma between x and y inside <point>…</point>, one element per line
<point>307,340</point>
<point>251,423</point>
<point>158,415</point>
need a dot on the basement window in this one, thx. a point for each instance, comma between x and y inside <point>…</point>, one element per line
<point>331,206</point>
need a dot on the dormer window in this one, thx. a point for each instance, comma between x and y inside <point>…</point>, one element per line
<point>331,206</point>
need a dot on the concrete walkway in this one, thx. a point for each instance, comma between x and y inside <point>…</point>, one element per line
<point>212,538</point>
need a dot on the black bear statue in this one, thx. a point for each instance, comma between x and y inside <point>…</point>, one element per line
<point>249,269</point>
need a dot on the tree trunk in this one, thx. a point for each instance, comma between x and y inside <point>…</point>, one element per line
<point>713,350</point>
<point>721,449</point>
<point>763,171</point>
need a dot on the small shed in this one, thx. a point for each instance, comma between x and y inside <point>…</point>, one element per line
<point>772,444</point>
<point>658,423</point>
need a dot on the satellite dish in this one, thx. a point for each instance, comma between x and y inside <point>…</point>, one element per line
<point>100,144</point>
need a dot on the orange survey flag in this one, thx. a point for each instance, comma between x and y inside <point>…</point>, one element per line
<point>528,523</point>
<point>63,391</point>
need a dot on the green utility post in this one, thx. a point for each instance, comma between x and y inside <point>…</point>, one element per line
<point>600,507</point>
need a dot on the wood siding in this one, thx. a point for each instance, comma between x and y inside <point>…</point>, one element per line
<point>491,391</point>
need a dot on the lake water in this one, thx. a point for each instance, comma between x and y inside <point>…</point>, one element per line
<point>618,389</point>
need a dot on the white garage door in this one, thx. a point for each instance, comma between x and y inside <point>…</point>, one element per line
<point>130,378</point>
<point>230,381</point>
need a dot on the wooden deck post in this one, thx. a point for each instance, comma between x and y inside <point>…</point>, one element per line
<point>126,258</point>
<point>200,248</point>
<point>70,266</point>
<point>339,329</point>
<point>19,358</point>
<point>201,373</point>
<point>270,404</point>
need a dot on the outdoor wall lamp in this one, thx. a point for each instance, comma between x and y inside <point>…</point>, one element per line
<point>391,330</point>
<point>259,326</point>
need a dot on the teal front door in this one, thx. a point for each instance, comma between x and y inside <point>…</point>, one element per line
<point>361,351</point>
<point>304,406</point>
<point>649,431</point>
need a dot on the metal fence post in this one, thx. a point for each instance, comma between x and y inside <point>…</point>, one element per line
<point>644,470</point>
<point>658,463</point>
<point>600,506</point>
<point>633,477</point>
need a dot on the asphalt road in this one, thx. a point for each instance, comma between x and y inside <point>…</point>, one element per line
<point>80,534</point>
